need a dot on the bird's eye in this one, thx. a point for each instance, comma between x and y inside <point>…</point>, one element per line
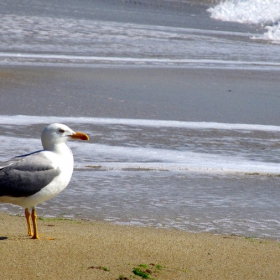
<point>61,130</point>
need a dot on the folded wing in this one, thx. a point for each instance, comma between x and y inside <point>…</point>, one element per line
<point>26,175</point>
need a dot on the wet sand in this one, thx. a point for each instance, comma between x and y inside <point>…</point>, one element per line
<point>212,95</point>
<point>88,250</point>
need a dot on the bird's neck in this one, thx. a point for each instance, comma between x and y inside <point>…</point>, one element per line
<point>61,149</point>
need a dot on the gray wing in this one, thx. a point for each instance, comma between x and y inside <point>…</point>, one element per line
<point>26,175</point>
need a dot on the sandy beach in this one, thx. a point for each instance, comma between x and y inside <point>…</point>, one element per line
<point>89,250</point>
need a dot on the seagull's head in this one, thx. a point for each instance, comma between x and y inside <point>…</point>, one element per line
<point>57,133</point>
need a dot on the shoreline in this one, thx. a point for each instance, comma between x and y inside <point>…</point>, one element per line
<point>78,220</point>
<point>99,250</point>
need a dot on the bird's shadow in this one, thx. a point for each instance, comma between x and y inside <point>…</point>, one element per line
<point>3,238</point>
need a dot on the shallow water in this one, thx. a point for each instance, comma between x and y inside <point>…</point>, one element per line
<point>220,179</point>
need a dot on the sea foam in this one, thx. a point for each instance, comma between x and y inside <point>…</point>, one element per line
<point>19,120</point>
<point>260,12</point>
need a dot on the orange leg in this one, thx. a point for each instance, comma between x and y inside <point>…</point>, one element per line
<point>34,220</point>
<point>28,220</point>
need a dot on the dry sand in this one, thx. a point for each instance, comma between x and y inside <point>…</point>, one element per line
<point>93,250</point>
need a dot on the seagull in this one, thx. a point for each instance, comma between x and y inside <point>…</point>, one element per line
<point>30,179</point>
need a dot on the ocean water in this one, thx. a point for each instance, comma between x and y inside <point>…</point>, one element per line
<point>195,176</point>
<point>141,33</point>
<point>213,177</point>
